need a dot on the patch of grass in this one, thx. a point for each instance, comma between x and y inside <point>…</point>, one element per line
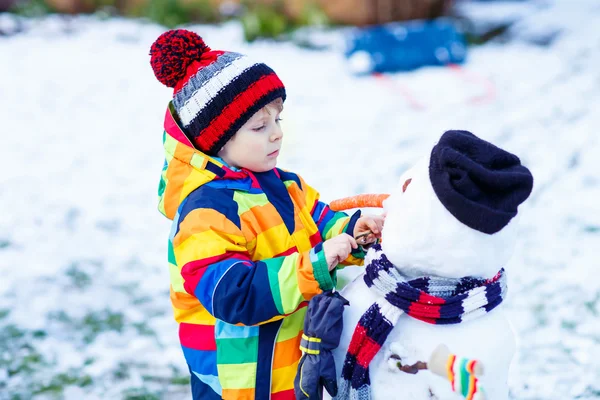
<point>92,324</point>
<point>180,380</point>
<point>568,325</point>
<point>59,382</point>
<point>259,19</point>
<point>590,393</point>
<point>61,316</point>
<point>12,332</point>
<point>121,372</point>
<point>31,373</point>
<point>32,8</point>
<point>79,278</point>
<point>143,329</point>
<point>154,378</point>
<point>97,322</point>
<point>141,300</point>
<point>592,305</point>
<point>39,334</point>
<point>178,377</point>
<point>272,21</point>
<point>140,394</point>
<point>263,21</point>
<point>172,13</point>
<point>19,355</point>
<point>539,311</point>
<point>591,229</point>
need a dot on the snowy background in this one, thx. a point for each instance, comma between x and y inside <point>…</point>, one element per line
<point>84,305</point>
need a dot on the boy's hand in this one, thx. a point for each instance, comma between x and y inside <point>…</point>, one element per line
<point>338,249</point>
<point>370,226</point>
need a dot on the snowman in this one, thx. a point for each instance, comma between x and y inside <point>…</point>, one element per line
<point>436,281</point>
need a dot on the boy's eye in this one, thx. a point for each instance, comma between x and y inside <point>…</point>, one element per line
<point>278,120</point>
<point>260,128</point>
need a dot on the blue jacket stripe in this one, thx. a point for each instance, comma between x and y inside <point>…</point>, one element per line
<point>203,362</point>
<point>244,295</point>
<point>209,281</point>
<point>317,211</point>
<point>212,198</point>
<point>266,344</point>
<point>201,390</point>
<point>324,220</point>
<point>279,196</point>
<point>289,176</point>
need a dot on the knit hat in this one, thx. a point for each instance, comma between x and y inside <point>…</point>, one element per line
<point>215,92</point>
<point>479,183</point>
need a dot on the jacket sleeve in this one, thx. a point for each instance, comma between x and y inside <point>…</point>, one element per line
<point>331,223</point>
<point>216,268</point>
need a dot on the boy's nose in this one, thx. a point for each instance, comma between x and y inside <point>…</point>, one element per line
<point>277,134</point>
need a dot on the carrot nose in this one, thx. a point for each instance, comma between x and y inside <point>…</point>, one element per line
<point>359,201</point>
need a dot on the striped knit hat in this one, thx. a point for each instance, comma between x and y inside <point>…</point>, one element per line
<point>215,92</point>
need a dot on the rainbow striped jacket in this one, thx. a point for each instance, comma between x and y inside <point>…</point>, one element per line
<point>245,256</point>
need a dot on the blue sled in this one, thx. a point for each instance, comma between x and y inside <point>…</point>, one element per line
<point>398,46</point>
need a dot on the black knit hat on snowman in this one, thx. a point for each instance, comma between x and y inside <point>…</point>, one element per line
<point>479,183</point>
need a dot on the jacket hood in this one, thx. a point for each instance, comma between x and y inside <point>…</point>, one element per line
<point>186,169</point>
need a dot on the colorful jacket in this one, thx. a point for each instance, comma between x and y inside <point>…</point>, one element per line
<point>245,256</point>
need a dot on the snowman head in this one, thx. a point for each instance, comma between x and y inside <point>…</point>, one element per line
<point>453,214</point>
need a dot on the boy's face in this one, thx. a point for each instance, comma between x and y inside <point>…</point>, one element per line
<point>256,145</point>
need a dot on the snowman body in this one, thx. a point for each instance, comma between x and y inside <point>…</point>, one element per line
<point>422,238</point>
<point>489,339</point>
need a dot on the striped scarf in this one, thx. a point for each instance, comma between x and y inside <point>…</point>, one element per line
<point>429,299</point>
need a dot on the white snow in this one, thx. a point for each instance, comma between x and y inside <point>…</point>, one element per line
<point>83,247</point>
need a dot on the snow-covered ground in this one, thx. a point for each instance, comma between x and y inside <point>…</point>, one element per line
<point>84,304</point>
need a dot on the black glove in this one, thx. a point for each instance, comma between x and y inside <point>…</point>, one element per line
<point>323,326</point>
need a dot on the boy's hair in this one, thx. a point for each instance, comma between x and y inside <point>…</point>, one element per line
<point>277,104</point>
<point>215,92</point>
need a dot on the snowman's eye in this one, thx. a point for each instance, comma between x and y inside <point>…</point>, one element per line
<point>406,183</point>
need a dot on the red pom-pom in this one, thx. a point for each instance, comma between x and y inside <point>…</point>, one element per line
<point>173,52</point>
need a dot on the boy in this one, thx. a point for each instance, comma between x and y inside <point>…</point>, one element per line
<point>250,244</point>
